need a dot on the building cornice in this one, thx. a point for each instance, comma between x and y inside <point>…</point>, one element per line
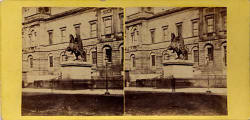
<point>167,12</point>
<point>59,15</point>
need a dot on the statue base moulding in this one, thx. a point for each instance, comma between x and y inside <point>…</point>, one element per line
<point>75,70</point>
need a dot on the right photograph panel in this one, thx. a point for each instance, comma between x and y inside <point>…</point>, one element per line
<point>176,61</point>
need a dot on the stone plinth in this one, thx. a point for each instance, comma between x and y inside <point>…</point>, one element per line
<point>182,69</point>
<point>75,70</point>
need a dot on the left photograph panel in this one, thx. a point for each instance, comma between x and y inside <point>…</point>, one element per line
<point>72,61</point>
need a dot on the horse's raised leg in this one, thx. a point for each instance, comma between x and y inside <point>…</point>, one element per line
<point>178,56</point>
<point>76,56</point>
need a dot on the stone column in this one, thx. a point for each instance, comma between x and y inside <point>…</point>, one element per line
<point>201,25</point>
<point>114,21</point>
<point>99,27</point>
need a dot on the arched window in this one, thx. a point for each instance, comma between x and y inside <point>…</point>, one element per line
<point>133,62</point>
<point>195,54</point>
<point>51,60</point>
<point>93,56</point>
<point>107,52</point>
<point>209,52</point>
<point>30,60</point>
<point>152,59</point>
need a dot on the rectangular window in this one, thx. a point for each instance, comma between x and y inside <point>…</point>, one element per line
<point>224,21</point>
<point>164,31</point>
<point>210,24</point>
<point>77,29</point>
<point>196,56</point>
<point>63,35</point>
<point>50,61</point>
<point>50,37</point>
<point>152,32</point>
<point>210,54</point>
<point>195,28</point>
<point>94,57</point>
<point>30,40</point>
<point>121,22</point>
<point>179,29</point>
<point>153,60</point>
<point>132,37</point>
<point>93,30</point>
<point>107,25</point>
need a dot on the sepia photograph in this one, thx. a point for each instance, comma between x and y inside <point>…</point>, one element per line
<point>124,59</point>
<point>175,61</point>
<point>76,62</point>
<point>72,61</point>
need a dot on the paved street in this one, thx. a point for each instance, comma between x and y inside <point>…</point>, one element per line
<point>85,91</point>
<point>219,91</point>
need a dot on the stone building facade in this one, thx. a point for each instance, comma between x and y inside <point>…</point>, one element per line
<point>148,34</point>
<point>46,31</point>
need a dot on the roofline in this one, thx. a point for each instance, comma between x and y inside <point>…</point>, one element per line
<point>167,12</point>
<point>63,14</point>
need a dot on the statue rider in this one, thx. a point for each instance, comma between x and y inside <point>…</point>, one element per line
<point>177,46</point>
<point>75,46</point>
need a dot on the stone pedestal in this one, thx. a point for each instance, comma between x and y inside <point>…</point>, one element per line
<point>75,70</point>
<point>182,69</point>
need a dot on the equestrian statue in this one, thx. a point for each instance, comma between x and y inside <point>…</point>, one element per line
<point>75,47</point>
<point>178,47</point>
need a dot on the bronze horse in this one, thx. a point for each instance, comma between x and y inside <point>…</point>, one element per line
<point>178,47</point>
<point>75,46</point>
